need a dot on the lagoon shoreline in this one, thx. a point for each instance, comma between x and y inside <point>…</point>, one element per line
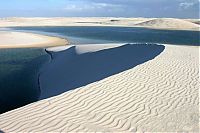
<point>11,39</point>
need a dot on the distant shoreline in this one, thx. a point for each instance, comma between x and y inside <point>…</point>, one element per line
<point>152,23</point>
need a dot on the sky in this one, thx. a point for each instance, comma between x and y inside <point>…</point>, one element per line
<point>100,8</point>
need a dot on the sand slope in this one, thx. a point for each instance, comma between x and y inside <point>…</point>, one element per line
<point>158,95</point>
<point>10,39</point>
<point>76,67</point>
<point>159,23</point>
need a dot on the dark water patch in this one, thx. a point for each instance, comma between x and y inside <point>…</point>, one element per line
<point>89,22</point>
<point>123,34</point>
<point>198,22</point>
<point>19,69</point>
<point>114,20</point>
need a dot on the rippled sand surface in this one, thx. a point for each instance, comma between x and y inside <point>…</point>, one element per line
<point>158,95</point>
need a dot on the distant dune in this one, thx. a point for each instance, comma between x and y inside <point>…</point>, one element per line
<point>159,23</point>
<point>169,23</point>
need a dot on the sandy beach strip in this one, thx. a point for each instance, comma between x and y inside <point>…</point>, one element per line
<point>10,39</point>
<point>159,95</point>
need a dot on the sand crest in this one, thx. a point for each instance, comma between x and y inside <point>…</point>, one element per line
<point>159,95</point>
<point>169,23</point>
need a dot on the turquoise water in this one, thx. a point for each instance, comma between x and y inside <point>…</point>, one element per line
<point>91,35</point>
<point>19,71</point>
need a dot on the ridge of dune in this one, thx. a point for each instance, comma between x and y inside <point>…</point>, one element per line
<point>171,23</point>
<point>10,39</point>
<point>160,95</point>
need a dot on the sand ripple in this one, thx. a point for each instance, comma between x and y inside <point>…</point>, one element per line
<point>159,95</point>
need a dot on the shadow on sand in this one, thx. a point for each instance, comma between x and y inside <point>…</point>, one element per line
<point>69,70</point>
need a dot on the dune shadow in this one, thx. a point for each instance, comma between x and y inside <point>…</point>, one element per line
<point>69,70</point>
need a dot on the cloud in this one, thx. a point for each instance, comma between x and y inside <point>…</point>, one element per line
<point>186,5</point>
<point>133,8</point>
<point>89,6</point>
<point>102,8</point>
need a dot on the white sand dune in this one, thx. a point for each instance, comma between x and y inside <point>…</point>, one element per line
<point>160,94</point>
<point>159,23</point>
<point>169,23</point>
<point>10,39</point>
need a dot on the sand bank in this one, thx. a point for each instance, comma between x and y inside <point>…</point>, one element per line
<point>10,39</point>
<point>160,94</point>
<point>157,23</point>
